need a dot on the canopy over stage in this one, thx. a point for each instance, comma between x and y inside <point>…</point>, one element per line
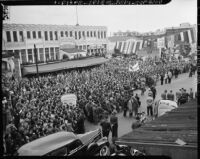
<point>52,67</point>
<point>160,136</point>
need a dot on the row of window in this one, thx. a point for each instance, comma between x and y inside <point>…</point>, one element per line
<point>48,35</point>
<point>47,53</point>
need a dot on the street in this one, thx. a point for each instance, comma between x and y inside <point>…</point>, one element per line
<point>183,81</point>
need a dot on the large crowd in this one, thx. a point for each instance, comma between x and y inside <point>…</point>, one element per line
<point>32,107</point>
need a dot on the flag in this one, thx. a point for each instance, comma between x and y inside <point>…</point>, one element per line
<point>141,43</point>
<point>128,47</point>
<point>137,46</point>
<point>133,68</point>
<point>189,36</point>
<point>134,48</point>
<point>192,35</point>
<point>186,37</point>
<point>122,46</point>
<point>182,36</point>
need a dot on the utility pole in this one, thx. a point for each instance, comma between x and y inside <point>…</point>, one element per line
<point>36,60</point>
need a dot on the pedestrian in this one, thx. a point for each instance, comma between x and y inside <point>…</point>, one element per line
<point>169,76</point>
<point>149,102</point>
<point>138,99</point>
<point>153,89</point>
<point>170,96</point>
<point>191,95</point>
<point>114,125</point>
<point>130,107</point>
<point>178,95</point>
<point>106,127</point>
<point>164,95</point>
<point>161,78</point>
<point>166,77</point>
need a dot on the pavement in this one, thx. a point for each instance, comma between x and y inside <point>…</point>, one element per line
<point>183,81</point>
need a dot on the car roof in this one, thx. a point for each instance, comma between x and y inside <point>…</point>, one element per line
<point>47,144</point>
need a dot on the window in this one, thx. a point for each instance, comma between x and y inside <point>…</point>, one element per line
<point>39,35</point>
<point>52,52</point>
<point>41,52</point>
<point>104,34</point>
<point>88,35</point>
<point>101,34</point>
<point>71,34</point>
<point>74,145</point>
<point>30,55</point>
<point>57,53</point>
<point>79,34</point>
<point>34,35</point>
<point>15,36</point>
<point>47,53</point>
<point>46,35</point>
<point>66,33</point>
<point>8,36</point>
<point>56,35</point>
<point>59,152</point>
<point>83,33</point>
<point>51,35</point>
<point>61,34</point>
<point>94,33</point>
<point>23,55</point>
<point>28,35</point>
<point>21,36</point>
<point>98,34</point>
<point>75,35</point>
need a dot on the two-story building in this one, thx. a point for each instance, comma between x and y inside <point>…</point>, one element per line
<point>50,39</point>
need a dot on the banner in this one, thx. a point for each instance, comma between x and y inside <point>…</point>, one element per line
<point>189,36</point>
<point>134,67</point>
<point>69,99</point>
<point>182,36</point>
<point>161,42</point>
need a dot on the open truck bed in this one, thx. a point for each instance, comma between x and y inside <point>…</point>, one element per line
<point>158,136</point>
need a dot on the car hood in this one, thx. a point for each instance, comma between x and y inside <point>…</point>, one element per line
<point>89,136</point>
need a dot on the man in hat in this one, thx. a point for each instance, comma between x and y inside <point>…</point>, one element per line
<point>106,127</point>
<point>164,95</point>
<point>114,124</point>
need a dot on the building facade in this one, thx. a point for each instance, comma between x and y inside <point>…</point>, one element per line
<point>20,39</point>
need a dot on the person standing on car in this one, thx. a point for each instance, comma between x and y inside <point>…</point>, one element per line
<point>164,95</point>
<point>106,127</point>
<point>114,125</point>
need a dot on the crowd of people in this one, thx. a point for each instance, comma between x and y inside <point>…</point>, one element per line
<point>32,107</point>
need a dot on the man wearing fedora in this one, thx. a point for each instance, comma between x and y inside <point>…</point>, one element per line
<point>114,125</point>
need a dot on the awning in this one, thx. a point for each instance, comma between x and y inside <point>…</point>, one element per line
<point>52,67</point>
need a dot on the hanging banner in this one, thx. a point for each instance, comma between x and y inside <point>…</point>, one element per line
<point>161,42</point>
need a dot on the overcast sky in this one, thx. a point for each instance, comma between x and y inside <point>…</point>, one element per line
<point>141,18</point>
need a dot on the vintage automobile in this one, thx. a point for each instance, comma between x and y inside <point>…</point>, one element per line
<point>125,150</point>
<point>163,106</point>
<point>67,144</point>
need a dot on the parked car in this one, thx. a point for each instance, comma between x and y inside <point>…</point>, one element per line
<point>125,150</point>
<point>67,144</point>
<point>163,106</point>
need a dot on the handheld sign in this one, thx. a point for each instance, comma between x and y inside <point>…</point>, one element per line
<point>69,99</point>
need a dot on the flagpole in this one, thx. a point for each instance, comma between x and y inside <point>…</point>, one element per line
<point>76,17</point>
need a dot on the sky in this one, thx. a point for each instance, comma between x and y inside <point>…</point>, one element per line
<point>141,18</point>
